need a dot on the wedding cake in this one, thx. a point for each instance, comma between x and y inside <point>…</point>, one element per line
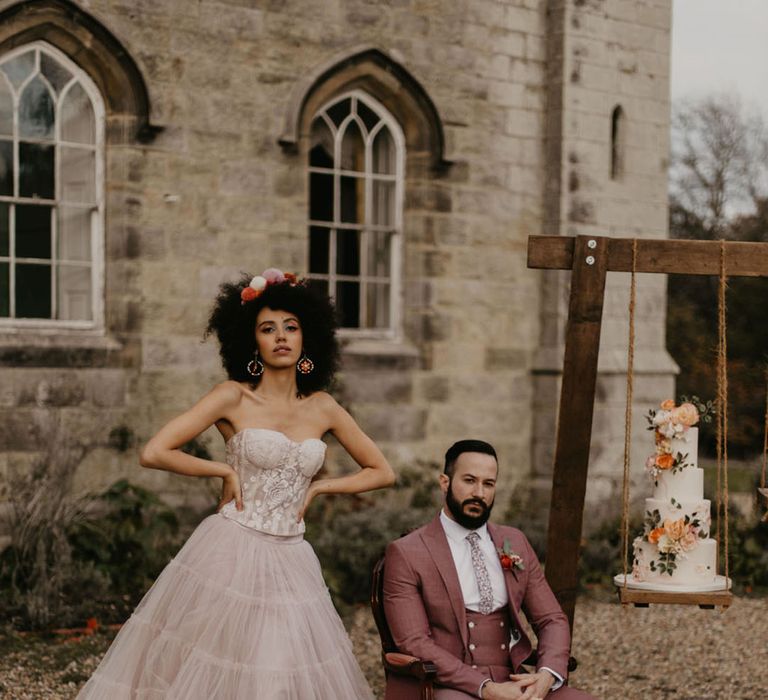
<point>675,551</point>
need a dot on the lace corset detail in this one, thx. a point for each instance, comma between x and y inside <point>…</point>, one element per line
<point>275,472</point>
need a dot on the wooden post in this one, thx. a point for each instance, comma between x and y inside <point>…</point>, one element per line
<point>582,343</point>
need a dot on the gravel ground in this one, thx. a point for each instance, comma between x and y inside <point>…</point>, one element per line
<point>650,653</point>
<point>670,651</point>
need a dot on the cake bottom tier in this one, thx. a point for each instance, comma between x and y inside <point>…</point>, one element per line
<point>697,567</point>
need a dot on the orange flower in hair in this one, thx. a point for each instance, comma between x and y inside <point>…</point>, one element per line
<point>248,294</point>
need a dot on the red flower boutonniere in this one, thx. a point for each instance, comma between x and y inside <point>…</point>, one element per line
<point>508,558</point>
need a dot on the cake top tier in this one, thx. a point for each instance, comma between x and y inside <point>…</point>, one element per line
<point>675,438</point>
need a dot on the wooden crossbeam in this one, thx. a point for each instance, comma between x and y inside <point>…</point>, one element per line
<point>653,255</point>
<point>590,258</point>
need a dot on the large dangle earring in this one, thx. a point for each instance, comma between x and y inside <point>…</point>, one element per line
<point>255,366</point>
<point>305,365</point>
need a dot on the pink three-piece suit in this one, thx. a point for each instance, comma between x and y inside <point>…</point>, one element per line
<point>425,610</point>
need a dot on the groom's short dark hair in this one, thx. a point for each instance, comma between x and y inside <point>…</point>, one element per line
<point>462,446</point>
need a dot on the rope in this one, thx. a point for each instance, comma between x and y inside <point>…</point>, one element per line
<point>722,414</point>
<point>628,414</point>
<point>765,433</point>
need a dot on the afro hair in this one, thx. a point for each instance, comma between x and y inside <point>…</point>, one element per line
<point>234,324</point>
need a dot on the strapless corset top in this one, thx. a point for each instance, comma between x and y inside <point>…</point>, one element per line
<point>275,473</point>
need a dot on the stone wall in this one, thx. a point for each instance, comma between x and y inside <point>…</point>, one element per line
<point>606,54</point>
<point>214,192</point>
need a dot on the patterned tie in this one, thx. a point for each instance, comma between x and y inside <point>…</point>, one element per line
<point>481,574</point>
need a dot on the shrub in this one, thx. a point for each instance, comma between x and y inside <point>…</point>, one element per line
<point>36,569</point>
<point>75,557</point>
<point>600,558</point>
<point>748,551</point>
<point>95,561</point>
<point>349,533</point>
<point>127,537</point>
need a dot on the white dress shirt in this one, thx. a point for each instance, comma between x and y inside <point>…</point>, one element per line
<point>462,559</point>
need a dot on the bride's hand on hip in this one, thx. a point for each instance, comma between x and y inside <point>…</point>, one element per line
<point>231,491</point>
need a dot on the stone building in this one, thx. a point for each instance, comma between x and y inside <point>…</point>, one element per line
<point>398,151</point>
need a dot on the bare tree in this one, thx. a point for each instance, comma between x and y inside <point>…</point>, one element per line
<point>719,189</point>
<point>719,163</point>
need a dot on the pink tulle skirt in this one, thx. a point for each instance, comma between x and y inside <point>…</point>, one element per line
<point>236,614</point>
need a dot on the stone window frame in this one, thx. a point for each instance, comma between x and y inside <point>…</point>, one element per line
<point>380,75</point>
<point>127,124</point>
<point>96,262</point>
<point>393,329</point>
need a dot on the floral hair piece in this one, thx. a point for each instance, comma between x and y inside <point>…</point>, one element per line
<point>267,278</point>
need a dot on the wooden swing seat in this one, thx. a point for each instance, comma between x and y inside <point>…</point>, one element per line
<point>705,600</point>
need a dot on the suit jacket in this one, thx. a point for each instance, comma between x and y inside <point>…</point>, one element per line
<point>424,607</point>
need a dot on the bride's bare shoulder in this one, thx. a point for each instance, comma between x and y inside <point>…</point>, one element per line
<point>229,392</point>
<point>323,401</point>
<point>326,405</point>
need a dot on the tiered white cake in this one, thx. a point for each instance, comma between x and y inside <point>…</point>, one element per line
<point>675,551</point>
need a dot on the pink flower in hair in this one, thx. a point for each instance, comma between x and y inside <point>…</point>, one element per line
<point>273,275</point>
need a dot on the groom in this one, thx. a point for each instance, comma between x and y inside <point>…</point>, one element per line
<point>453,590</point>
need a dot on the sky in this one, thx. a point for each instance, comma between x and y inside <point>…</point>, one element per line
<point>721,46</point>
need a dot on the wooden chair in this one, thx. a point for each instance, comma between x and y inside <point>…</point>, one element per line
<point>424,672</point>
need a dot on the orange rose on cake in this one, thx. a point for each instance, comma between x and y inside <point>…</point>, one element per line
<point>676,529</point>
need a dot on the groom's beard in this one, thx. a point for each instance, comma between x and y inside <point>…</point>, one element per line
<point>471,522</point>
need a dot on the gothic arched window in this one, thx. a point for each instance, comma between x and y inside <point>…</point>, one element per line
<point>51,194</point>
<point>356,164</point>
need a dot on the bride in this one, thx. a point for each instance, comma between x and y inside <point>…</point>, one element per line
<point>242,610</point>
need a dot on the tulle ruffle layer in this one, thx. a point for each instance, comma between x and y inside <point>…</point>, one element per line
<point>236,615</point>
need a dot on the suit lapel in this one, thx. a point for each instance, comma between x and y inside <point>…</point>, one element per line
<point>440,551</point>
<point>520,651</point>
<point>510,577</point>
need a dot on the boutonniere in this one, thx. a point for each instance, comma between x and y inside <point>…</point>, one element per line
<point>508,558</point>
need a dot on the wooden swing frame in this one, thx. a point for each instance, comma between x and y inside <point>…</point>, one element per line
<point>762,491</point>
<point>590,258</point>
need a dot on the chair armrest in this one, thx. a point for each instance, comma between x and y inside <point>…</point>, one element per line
<point>405,665</point>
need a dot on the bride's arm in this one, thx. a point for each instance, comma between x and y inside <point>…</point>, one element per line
<point>375,472</point>
<point>163,450</point>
